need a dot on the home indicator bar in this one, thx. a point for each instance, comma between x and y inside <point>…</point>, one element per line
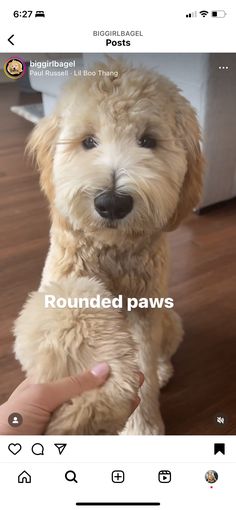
<point>128,504</point>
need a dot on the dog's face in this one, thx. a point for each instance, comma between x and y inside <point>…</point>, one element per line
<point>15,67</point>
<point>122,153</point>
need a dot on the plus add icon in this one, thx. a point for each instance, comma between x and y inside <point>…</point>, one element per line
<point>118,476</point>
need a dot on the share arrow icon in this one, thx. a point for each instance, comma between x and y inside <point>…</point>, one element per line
<point>60,447</point>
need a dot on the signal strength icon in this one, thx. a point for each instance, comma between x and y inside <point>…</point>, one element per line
<point>203,13</point>
<point>191,14</point>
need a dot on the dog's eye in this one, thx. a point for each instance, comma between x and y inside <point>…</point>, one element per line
<point>147,142</point>
<point>89,142</point>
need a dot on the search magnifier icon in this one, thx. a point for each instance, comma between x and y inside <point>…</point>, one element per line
<point>70,476</point>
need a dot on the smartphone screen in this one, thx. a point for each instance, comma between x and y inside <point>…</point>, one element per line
<point>118,256</point>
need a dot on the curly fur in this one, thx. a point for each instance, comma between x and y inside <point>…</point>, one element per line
<point>130,255</point>
<point>49,341</point>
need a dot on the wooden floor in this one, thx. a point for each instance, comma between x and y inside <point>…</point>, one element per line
<point>203,285</point>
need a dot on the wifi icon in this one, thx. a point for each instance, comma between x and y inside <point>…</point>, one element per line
<point>203,13</point>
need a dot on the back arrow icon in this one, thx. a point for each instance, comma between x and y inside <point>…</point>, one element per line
<point>10,39</point>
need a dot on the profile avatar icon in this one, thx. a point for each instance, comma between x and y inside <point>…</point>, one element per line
<point>211,476</point>
<point>15,419</point>
<point>14,68</point>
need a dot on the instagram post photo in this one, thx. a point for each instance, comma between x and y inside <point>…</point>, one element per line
<point>118,248</point>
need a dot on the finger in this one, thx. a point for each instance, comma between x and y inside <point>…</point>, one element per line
<point>22,386</point>
<point>63,390</point>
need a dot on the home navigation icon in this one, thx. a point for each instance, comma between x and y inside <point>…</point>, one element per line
<point>24,477</point>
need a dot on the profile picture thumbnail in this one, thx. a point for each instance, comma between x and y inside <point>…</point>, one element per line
<point>211,476</point>
<point>14,68</point>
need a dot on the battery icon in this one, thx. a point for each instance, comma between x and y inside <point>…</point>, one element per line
<point>218,14</point>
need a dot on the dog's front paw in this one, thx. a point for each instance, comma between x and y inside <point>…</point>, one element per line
<point>145,421</point>
<point>55,342</point>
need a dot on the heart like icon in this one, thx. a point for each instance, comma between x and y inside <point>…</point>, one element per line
<point>14,448</point>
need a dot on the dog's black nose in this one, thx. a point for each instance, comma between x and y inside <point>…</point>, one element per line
<point>113,206</point>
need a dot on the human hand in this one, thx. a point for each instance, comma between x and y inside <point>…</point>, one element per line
<point>36,402</point>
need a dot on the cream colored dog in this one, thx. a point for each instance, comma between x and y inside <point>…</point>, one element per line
<point>120,163</point>
<point>15,67</point>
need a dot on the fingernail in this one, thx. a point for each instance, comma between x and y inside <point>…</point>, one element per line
<point>100,370</point>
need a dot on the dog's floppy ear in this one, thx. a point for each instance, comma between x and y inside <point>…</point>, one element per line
<point>41,146</point>
<point>189,133</point>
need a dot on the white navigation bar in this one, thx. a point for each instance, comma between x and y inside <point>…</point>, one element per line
<point>104,26</point>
